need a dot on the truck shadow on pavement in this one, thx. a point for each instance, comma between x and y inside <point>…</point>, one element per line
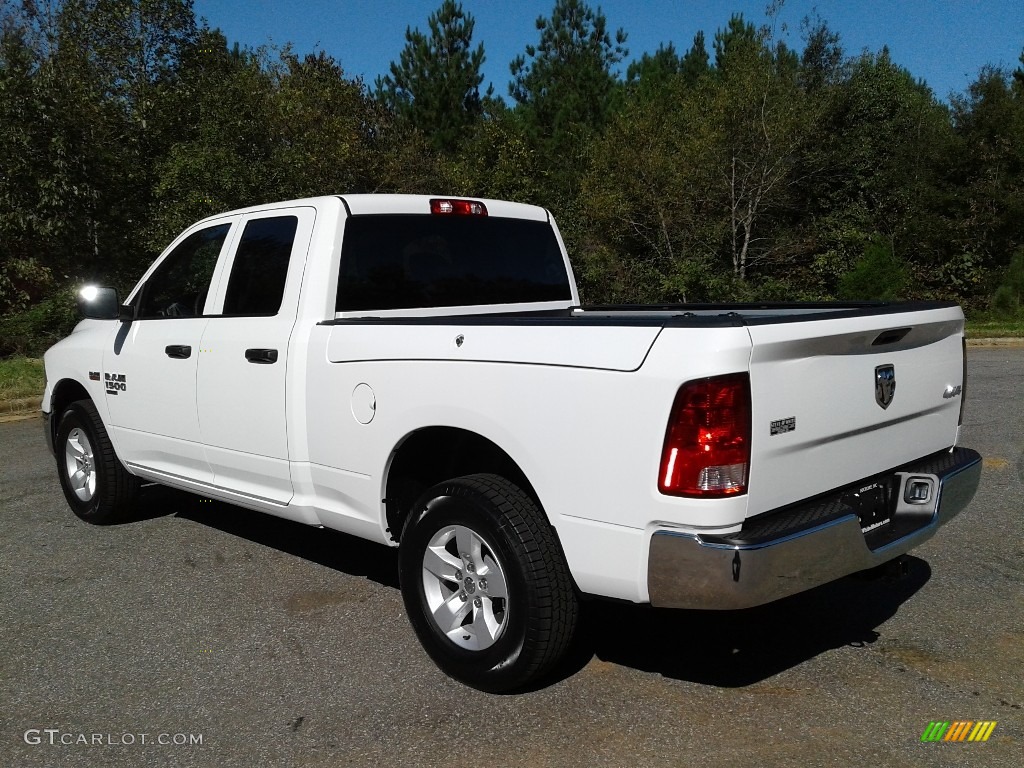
<point>339,551</point>
<point>726,649</point>
<point>739,648</point>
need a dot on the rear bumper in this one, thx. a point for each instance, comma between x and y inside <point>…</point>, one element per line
<point>793,550</point>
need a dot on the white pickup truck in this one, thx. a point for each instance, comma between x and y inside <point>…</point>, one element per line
<point>417,371</point>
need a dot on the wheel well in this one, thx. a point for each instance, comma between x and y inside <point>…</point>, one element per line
<point>435,454</point>
<point>64,394</point>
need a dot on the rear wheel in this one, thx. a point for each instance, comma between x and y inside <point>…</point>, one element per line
<point>96,485</point>
<point>485,583</point>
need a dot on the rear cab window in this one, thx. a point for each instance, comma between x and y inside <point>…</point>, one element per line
<point>412,261</point>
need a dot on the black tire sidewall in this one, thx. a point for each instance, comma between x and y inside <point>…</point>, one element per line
<point>458,505</point>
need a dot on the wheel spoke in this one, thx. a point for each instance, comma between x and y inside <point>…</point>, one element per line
<point>75,449</point>
<point>442,563</point>
<point>495,578</point>
<point>468,543</point>
<point>485,624</point>
<point>79,480</point>
<point>450,614</point>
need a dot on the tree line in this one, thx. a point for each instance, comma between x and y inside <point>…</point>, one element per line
<point>739,168</point>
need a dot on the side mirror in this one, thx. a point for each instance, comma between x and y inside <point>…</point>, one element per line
<point>97,303</point>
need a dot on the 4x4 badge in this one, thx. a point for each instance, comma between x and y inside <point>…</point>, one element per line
<point>885,385</point>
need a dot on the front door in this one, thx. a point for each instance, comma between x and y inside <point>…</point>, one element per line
<point>150,368</point>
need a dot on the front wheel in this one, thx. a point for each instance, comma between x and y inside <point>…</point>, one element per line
<point>96,485</point>
<point>485,583</point>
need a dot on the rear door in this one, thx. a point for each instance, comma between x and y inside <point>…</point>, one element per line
<point>243,357</point>
<point>838,400</point>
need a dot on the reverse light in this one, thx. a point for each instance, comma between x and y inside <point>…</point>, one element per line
<point>707,442</point>
<point>453,207</point>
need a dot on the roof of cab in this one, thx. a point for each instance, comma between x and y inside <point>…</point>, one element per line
<point>362,204</point>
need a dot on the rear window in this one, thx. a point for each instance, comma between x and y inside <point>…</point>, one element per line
<point>408,261</point>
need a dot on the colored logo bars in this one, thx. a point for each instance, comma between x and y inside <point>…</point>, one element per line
<point>959,730</point>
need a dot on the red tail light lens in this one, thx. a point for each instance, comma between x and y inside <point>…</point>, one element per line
<point>450,207</point>
<point>707,443</point>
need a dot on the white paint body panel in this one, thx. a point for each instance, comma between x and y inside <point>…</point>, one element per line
<point>581,408</point>
<point>827,384</point>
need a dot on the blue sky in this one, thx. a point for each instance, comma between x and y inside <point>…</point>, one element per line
<point>944,42</point>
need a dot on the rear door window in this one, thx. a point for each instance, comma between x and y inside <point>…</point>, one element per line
<point>260,267</point>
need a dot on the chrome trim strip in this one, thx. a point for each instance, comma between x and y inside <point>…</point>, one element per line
<point>188,484</point>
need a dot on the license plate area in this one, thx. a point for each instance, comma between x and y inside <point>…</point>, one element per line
<point>883,518</point>
<point>875,503</point>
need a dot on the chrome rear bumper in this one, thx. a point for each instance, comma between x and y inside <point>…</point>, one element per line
<point>783,553</point>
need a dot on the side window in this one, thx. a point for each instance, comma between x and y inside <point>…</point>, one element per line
<point>178,287</point>
<point>256,285</point>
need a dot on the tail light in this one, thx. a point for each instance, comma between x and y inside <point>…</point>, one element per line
<point>451,207</point>
<point>707,443</point>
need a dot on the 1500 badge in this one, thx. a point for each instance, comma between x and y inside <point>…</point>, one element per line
<point>115,382</point>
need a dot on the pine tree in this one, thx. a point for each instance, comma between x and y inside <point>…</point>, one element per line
<point>658,67</point>
<point>737,40</point>
<point>568,83</point>
<point>435,85</point>
<point>695,63</point>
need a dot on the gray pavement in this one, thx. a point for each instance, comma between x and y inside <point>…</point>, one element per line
<point>277,644</point>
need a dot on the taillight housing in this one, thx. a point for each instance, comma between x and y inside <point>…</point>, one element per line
<point>707,442</point>
<point>453,207</point>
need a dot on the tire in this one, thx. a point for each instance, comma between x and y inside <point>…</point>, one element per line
<point>477,553</point>
<point>95,483</point>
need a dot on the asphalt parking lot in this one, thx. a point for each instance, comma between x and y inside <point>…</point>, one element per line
<point>206,635</point>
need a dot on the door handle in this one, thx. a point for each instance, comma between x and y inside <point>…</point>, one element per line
<point>261,356</point>
<point>178,351</point>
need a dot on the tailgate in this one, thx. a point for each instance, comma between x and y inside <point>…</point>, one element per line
<point>839,400</point>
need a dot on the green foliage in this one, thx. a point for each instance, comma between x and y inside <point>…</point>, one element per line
<point>982,326</point>
<point>652,71</point>
<point>21,378</point>
<point>765,174</point>
<point>565,86</point>
<point>739,40</point>
<point>1008,299</point>
<point>435,85</point>
<point>822,58</point>
<point>499,161</point>
<point>877,276</point>
<point>31,332</point>
<point>695,64</point>
<point>1005,302</point>
<point>988,167</point>
<point>22,282</point>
